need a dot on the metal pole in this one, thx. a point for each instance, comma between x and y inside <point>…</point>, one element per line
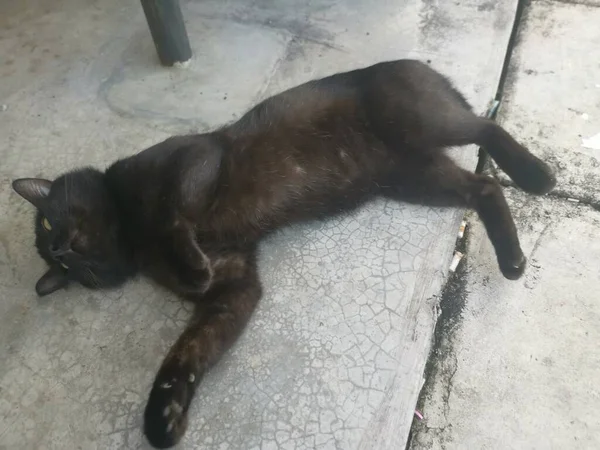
<point>168,30</point>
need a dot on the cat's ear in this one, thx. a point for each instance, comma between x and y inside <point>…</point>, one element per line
<point>51,281</point>
<point>34,190</point>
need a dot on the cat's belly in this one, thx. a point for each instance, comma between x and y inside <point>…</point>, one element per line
<point>308,177</point>
<point>287,204</point>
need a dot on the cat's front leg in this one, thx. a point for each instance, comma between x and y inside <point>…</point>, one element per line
<point>190,268</point>
<point>221,316</point>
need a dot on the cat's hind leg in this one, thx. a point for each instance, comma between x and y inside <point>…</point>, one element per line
<point>413,107</point>
<point>527,171</point>
<point>221,315</point>
<point>434,179</point>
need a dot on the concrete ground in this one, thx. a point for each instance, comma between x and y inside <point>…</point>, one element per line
<point>334,356</point>
<point>517,365</point>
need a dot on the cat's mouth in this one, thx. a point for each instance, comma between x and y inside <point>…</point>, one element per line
<point>63,260</point>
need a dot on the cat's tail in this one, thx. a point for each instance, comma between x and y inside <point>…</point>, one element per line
<point>527,171</point>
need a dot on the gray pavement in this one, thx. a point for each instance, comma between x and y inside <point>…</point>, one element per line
<point>553,98</point>
<point>335,354</point>
<point>517,364</point>
<point>519,368</point>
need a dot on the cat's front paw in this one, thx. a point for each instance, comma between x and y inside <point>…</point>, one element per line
<point>191,265</point>
<point>165,417</point>
<point>194,280</point>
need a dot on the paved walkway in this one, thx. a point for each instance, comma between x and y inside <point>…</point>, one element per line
<point>335,354</point>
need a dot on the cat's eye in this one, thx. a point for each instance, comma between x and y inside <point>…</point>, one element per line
<point>46,224</point>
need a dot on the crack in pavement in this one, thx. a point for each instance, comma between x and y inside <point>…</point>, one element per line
<point>557,193</point>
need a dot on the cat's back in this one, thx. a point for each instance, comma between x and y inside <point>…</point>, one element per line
<point>349,96</point>
<point>299,108</point>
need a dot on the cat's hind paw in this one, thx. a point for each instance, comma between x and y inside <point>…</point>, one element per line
<point>535,177</point>
<point>513,269</point>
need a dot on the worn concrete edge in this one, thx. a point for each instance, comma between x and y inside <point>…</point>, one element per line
<point>441,364</point>
<point>392,423</point>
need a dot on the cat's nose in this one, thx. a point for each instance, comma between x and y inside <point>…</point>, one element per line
<point>57,251</point>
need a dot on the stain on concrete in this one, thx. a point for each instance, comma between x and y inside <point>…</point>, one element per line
<point>487,6</point>
<point>433,22</point>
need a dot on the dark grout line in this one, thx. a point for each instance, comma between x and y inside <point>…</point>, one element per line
<point>483,156</point>
<point>590,3</point>
<point>512,41</point>
<point>556,194</point>
<point>562,195</point>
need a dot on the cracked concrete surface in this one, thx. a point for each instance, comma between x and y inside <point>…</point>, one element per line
<point>334,356</point>
<point>516,364</point>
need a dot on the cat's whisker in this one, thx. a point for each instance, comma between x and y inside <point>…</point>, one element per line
<point>92,278</point>
<point>68,206</point>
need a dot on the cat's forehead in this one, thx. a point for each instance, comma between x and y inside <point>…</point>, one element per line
<point>65,191</point>
<point>70,180</point>
<point>80,187</point>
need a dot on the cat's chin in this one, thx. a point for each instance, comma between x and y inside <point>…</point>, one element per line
<point>54,279</point>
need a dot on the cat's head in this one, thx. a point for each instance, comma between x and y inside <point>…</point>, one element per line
<point>77,231</point>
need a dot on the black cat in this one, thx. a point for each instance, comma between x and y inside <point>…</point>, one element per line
<point>189,211</point>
